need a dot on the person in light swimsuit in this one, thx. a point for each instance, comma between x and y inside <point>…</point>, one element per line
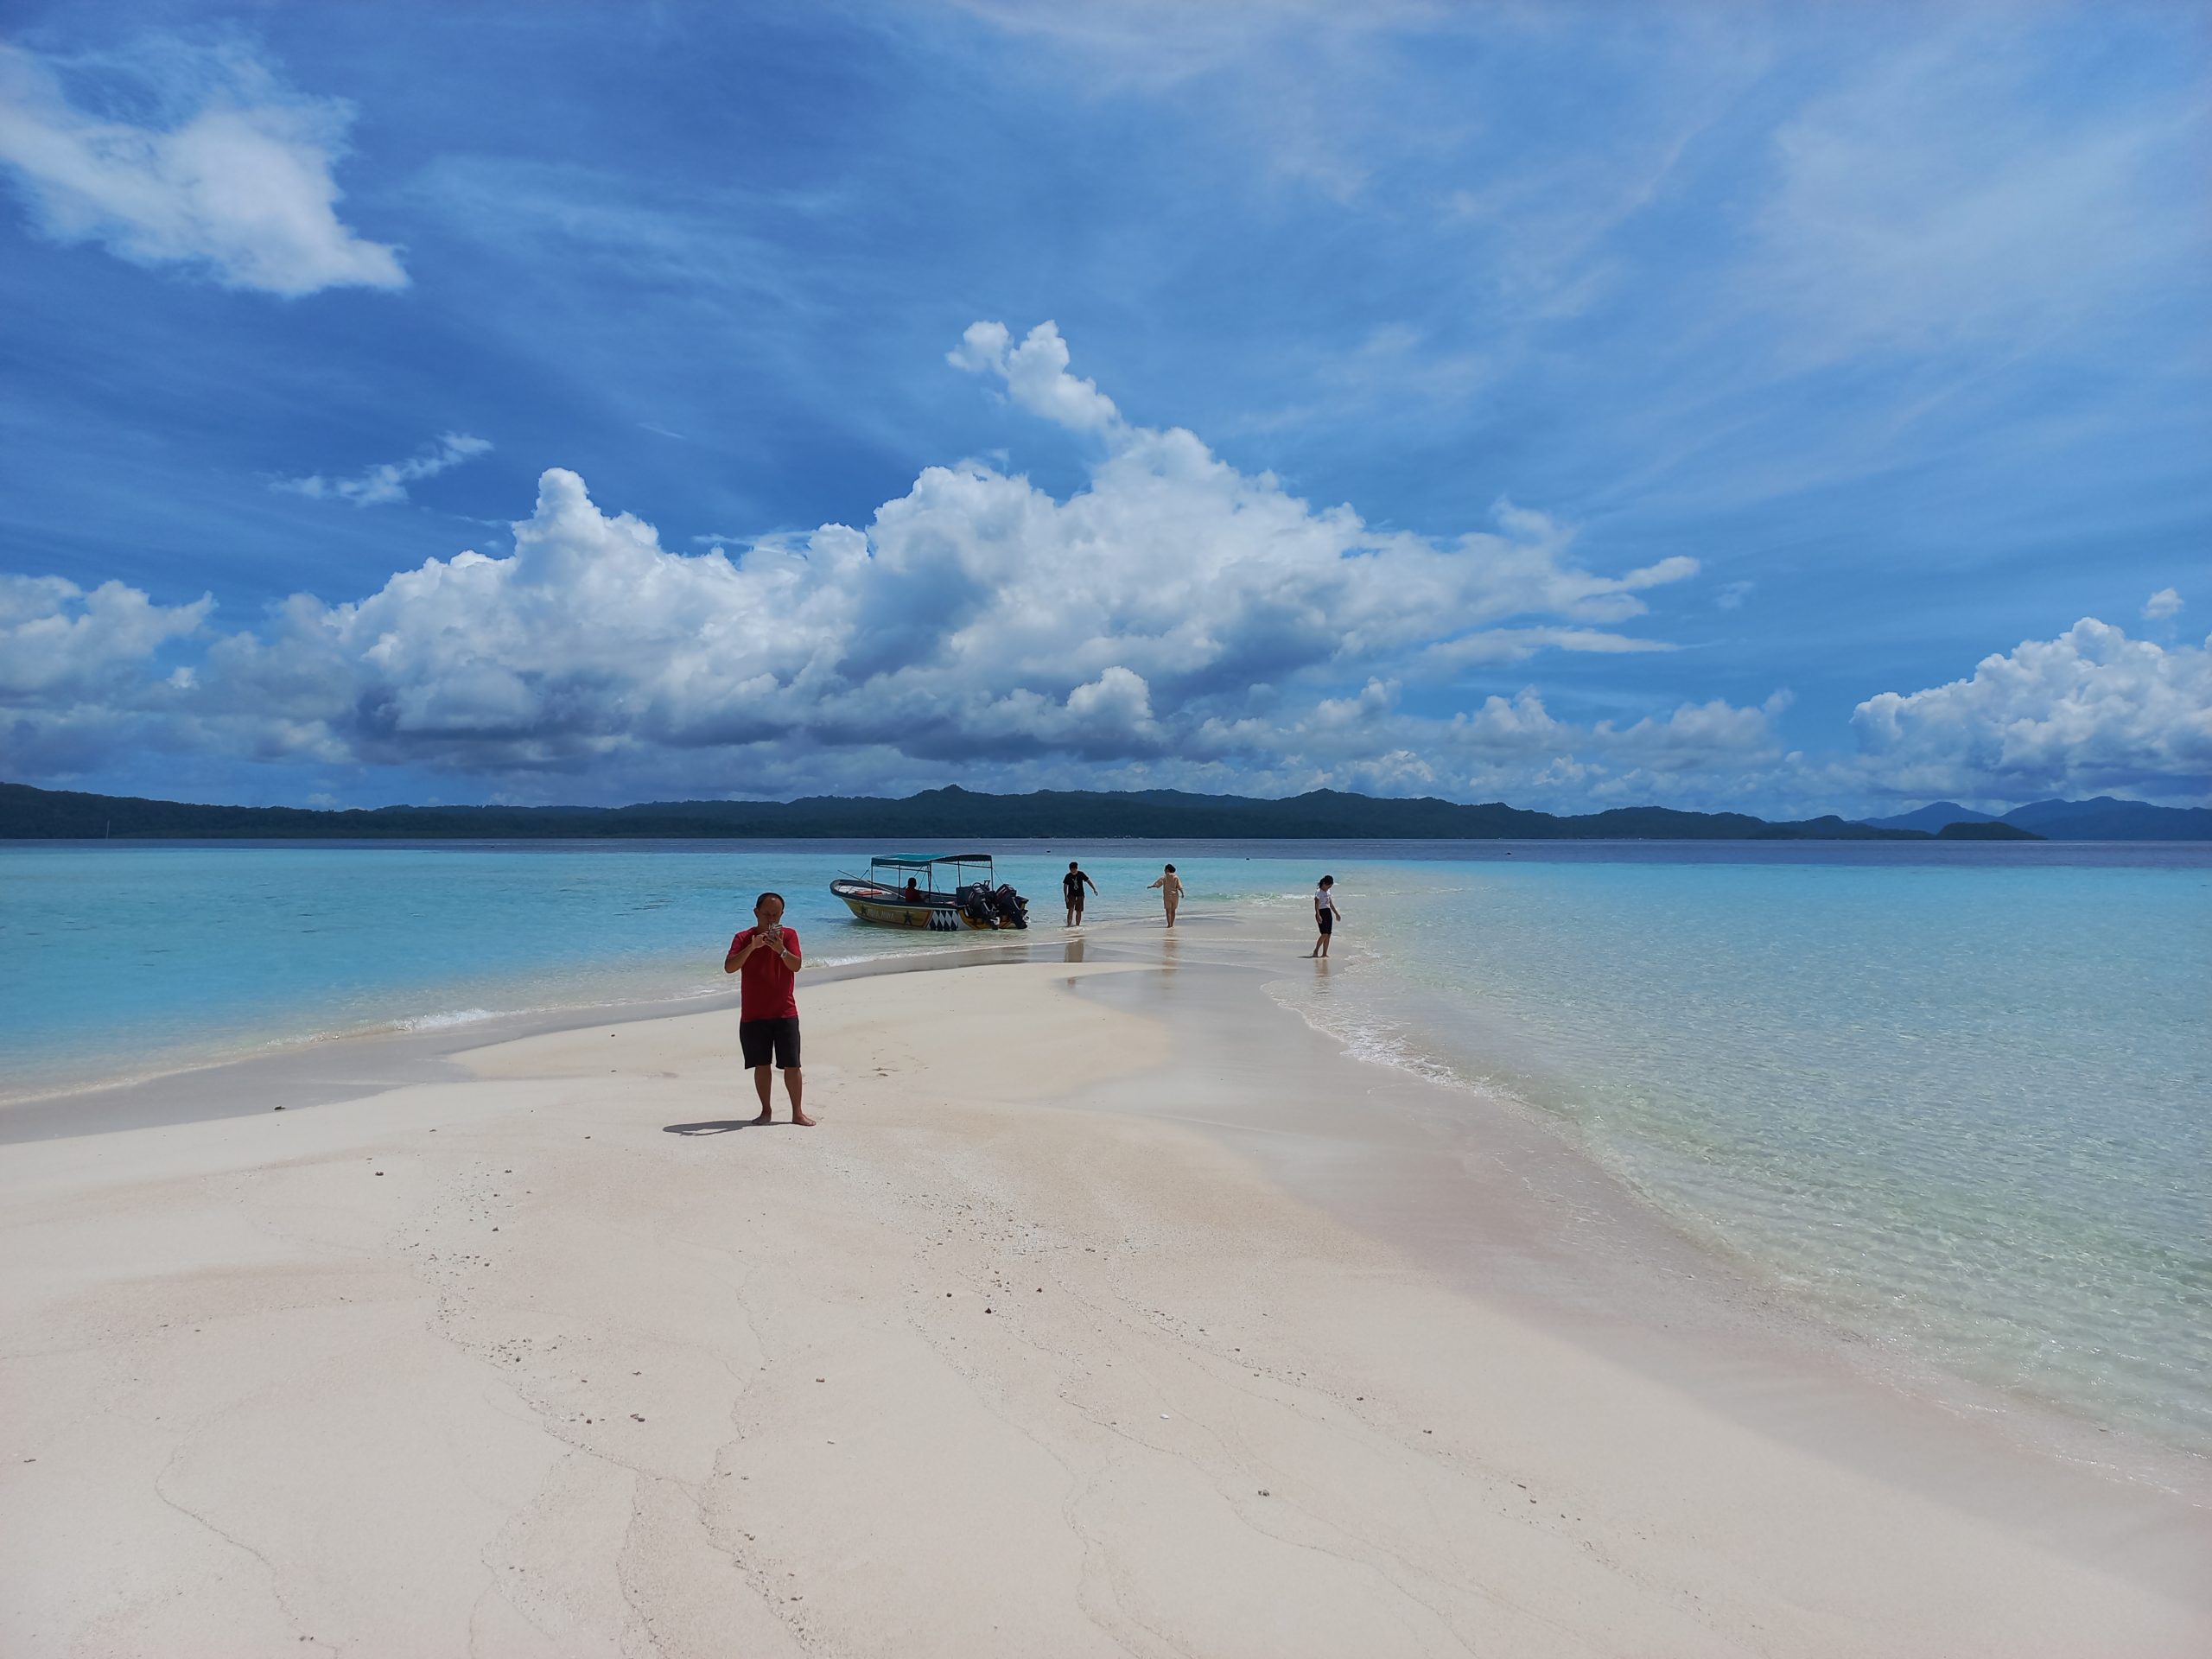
<point>1324,914</point>
<point>1171,892</point>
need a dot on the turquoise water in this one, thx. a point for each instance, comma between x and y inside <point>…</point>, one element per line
<point>121,961</point>
<point>1964,1108</point>
<point>1958,1098</point>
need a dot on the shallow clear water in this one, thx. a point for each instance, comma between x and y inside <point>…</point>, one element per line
<point>1960,1098</point>
<point>1964,1108</point>
<point>121,960</point>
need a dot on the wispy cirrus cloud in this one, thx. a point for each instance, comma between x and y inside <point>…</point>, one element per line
<point>1965,194</point>
<point>233,175</point>
<point>385,484</point>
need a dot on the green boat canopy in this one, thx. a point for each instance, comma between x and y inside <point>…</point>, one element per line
<point>923,860</point>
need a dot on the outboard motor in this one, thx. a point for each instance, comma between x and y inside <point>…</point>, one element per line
<point>1011,908</point>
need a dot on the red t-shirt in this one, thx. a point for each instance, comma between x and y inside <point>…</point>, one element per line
<point>767,989</point>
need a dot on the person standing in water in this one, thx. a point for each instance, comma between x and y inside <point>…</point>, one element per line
<point>1324,914</point>
<point>1072,887</point>
<point>1171,892</point>
<point>767,1008</point>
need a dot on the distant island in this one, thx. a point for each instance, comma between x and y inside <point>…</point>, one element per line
<point>955,814</point>
<point>2101,818</point>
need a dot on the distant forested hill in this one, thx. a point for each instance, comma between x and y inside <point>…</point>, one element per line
<point>933,816</point>
<point>2106,819</point>
<point>2102,818</point>
<point>1932,817</point>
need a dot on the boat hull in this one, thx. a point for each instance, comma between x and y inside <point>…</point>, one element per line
<point>884,910</point>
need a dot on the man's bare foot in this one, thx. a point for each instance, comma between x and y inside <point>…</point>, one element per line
<point>801,1119</point>
<point>767,1116</point>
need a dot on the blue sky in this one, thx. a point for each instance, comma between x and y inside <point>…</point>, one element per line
<point>1789,409</point>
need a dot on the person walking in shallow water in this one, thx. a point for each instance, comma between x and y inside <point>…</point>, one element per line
<point>766,953</point>
<point>1072,887</point>
<point>1324,914</point>
<point>1171,892</point>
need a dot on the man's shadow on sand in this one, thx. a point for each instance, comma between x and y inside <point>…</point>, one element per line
<point>720,1126</point>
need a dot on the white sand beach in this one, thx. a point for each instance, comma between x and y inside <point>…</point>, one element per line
<point>1108,1310</point>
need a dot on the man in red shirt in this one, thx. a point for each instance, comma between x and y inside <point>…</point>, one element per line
<point>767,1005</point>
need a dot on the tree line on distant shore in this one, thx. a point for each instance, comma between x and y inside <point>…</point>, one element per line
<point>936,815</point>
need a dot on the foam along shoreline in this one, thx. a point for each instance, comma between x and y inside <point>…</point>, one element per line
<point>976,1368</point>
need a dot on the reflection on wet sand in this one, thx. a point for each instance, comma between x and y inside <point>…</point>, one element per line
<point>1072,952</point>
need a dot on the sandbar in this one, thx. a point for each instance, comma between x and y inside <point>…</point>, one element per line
<point>1079,1326</point>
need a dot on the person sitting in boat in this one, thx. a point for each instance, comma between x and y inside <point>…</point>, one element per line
<point>913,894</point>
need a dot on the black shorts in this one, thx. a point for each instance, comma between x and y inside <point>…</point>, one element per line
<point>763,1041</point>
<point>1326,920</point>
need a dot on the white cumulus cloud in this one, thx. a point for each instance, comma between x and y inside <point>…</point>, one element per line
<point>1175,614</point>
<point>2161,605</point>
<point>1036,374</point>
<point>236,179</point>
<point>59,643</point>
<point>79,675</point>
<point>2090,711</point>
<point>1174,620</point>
<point>386,483</point>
